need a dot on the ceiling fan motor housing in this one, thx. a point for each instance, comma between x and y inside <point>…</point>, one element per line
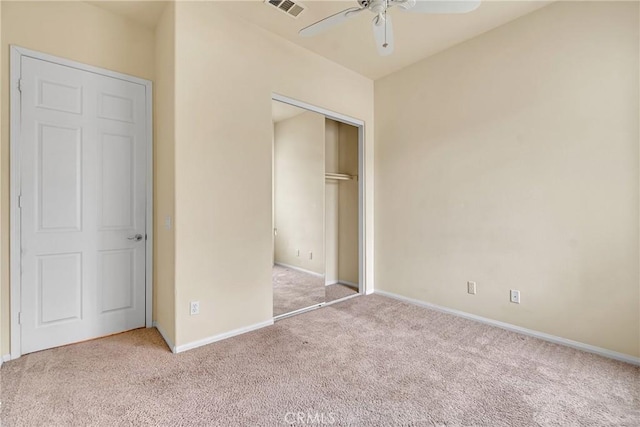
<point>380,6</point>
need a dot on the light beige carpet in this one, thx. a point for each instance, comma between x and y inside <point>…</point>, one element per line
<point>293,290</point>
<point>337,291</point>
<point>368,361</point>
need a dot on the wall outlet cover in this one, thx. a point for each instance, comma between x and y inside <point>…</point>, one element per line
<point>515,296</point>
<point>195,307</point>
<point>471,288</point>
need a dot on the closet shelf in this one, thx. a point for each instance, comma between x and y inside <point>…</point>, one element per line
<point>340,176</point>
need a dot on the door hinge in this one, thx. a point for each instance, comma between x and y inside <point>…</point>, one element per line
<point>19,318</point>
<point>20,201</point>
<point>20,85</point>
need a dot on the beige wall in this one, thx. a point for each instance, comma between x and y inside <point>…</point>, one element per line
<point>72,30</point>
<point>298,155</point>
<point>512,160</point>
<point>226,71</point>
<point>3,330</point>
<point>164,176</point>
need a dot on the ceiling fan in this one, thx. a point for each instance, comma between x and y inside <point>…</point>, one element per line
<point>382,25</point>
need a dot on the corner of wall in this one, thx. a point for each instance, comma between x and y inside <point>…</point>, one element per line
<point>164,177</point>
<point>3,329</point>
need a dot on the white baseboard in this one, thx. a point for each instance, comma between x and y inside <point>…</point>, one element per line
<point>220,337</point>
<point>342,282</point>
<point>530,332</point>
<point>351,284</point>
<point>164,336</point>
<point>5,358</point>
<point>302,270</point>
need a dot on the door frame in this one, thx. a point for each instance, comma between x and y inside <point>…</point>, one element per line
<point>15,186</point>
<point>363,284</point>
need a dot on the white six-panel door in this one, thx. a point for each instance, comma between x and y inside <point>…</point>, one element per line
<point>83,204</point>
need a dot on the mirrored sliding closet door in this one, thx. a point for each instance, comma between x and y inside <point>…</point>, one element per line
<point>315,210</point>
<point>298,201</point>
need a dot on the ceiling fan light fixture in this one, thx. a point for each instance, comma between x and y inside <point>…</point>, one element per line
<point>382,24</point>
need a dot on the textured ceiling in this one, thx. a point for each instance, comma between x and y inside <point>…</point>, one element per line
<point>351,44</point>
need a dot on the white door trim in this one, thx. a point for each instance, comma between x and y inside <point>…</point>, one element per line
<point>14,217</point>
<point>364,283</point>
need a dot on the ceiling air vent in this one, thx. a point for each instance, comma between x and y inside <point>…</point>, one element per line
<point>287,6</point>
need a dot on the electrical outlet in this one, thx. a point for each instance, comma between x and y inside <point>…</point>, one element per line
<point>515,296</point>
<point>195,307</point>
<point>471,288</point>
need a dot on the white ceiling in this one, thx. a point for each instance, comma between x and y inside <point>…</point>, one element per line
<point>351,44</point>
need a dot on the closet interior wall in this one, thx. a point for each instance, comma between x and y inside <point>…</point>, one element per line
<point>341,204</point>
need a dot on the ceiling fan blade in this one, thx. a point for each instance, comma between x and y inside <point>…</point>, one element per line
<point>383,32</point>
<point>437,6</point>
<point>329,22</point>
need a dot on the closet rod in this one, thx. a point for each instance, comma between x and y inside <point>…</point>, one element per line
<point>340,176</point>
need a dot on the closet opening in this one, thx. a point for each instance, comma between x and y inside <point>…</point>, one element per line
<point>317,188</point>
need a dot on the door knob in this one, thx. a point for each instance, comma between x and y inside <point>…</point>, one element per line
<point>136,238</point>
